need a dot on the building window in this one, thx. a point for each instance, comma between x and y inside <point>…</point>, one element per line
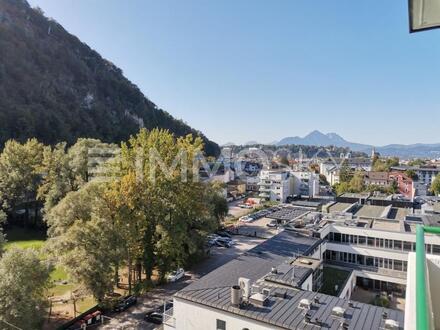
<point>221,325</point>
<point>397,245</point>
<point>407,246</point>
<point>436,249</point>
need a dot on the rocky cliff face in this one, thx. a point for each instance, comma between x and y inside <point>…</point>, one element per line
<point>56,88</point>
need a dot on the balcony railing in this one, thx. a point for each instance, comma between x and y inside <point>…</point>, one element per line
<point>169,319</point>
<point>424,317</point>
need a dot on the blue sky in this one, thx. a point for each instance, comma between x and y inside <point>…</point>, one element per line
<point>242,70</point>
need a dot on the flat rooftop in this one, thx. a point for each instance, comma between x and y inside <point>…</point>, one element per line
<point>339,207</point>
<point>387,225</point>
<point>356,195</point>
<point>303,203</point>
<point>370,211</point>
<point>282,309</point>
<point>259,261</point>
<point>398,213</point>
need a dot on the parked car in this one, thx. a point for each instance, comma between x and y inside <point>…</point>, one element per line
<point>125,303</point>
<point>224,242</point>
<point>246,218</point>
<point>156,316</point>
<point>175,275</point>
<point>223,233</point>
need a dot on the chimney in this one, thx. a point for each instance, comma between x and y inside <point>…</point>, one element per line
<point>235,296</point>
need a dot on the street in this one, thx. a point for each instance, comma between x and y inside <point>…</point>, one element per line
<point>133,318</point>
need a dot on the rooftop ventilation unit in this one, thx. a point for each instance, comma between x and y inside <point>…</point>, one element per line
<point>235,296</point>
<point>305,304</point>
<point>259,299</point>
<point>338,311</point>
<point>307,318</point>
<point>245,287</point>
<point>391,324</point>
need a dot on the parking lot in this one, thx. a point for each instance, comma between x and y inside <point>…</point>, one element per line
<point>235,211</point>
<point>133,318</point>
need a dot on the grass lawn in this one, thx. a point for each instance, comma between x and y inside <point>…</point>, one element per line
<point>24,238</point>
<point>85,304</point>
<point>332,277</point>
<point>61,289</point>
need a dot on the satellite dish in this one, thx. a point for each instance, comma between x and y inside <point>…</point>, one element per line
<point>424,15</point>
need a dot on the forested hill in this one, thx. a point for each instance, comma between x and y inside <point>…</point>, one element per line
<point>56,88</point>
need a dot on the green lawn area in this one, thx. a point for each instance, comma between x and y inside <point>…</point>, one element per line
<point>332,277</point>
<point>86,304</point>
<point>25,238</point>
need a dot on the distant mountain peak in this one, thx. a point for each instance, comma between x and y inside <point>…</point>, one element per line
<point>317,138</point>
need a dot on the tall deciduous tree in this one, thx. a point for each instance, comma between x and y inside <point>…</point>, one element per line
<point>24,281</point>
<point>19,175</point>
<point>84,240</point>
<point>435,187</point>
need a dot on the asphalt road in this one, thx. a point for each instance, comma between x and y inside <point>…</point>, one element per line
<point>133,318</point>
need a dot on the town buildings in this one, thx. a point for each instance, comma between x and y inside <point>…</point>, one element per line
<point>373,238</point>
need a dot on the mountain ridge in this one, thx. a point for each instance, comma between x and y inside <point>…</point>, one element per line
<point>333,139</point>
<point>56,88</point>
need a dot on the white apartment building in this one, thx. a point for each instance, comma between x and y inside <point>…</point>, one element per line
<point>305,183</point>
<point>275,185</point>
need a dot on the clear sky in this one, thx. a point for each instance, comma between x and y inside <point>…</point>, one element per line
<point>242,70</point>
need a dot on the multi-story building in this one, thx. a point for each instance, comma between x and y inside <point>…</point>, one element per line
<point>405,184</point>
<point>278,282</point>
<point>274,286</point>
<point>425,174</point>
<point>275,185</point>
<point>305,183</point>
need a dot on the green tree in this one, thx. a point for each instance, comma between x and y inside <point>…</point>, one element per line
<point>394,187</point>
<point>341,188</point>
<point>83,238</point>
<point>19,175</point>
<point>345,173</point>
<point>2,236</point>
<point>435,186</point>
<point>57,179</point>
<point>24,281</point>
<point>357,182</point>
<point>411,174</point>
<point>385,165</point>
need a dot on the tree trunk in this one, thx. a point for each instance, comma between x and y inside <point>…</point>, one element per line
<point>129,276</point>
<point>116,276</point>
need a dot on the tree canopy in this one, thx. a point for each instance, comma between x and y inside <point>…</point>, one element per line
<point>24,281</point>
